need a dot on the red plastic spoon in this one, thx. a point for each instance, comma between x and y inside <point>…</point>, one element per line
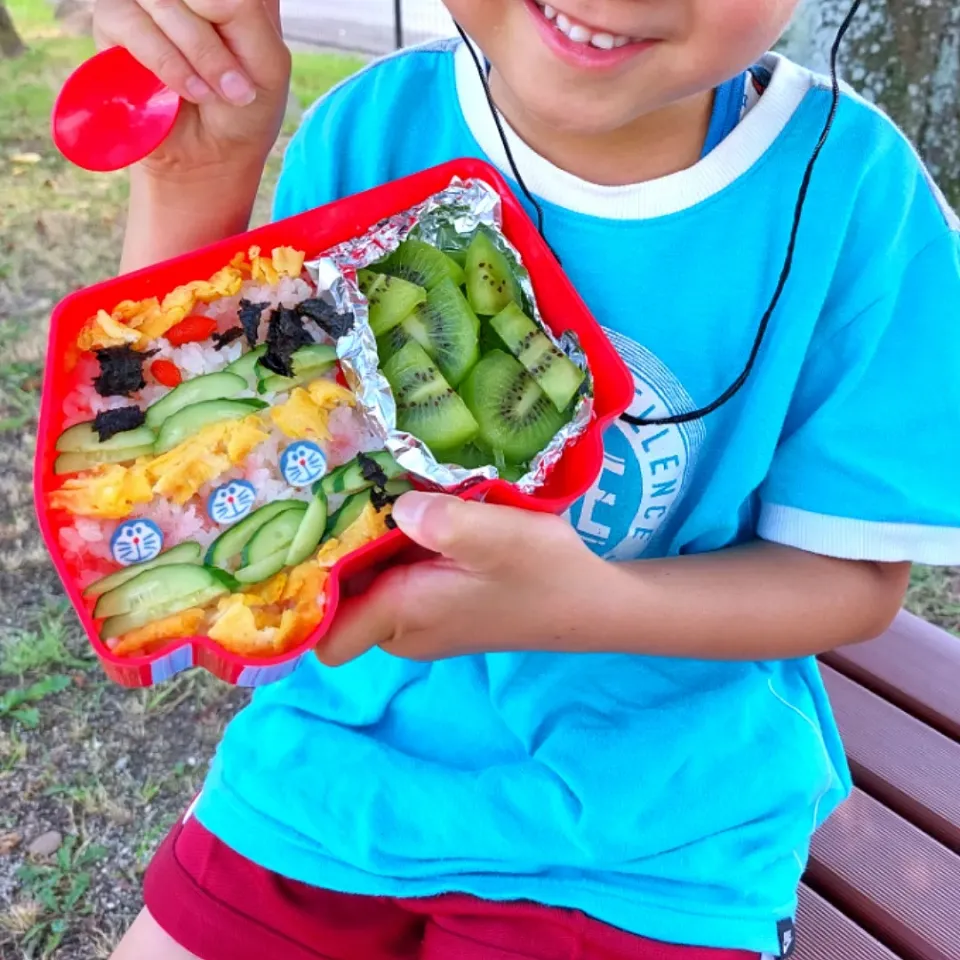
<point>112,112</point>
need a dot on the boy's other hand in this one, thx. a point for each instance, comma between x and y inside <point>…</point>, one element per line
<point>502,579</point>
<point>226,59</point>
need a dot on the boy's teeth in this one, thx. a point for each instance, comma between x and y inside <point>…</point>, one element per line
<point>581,34</point>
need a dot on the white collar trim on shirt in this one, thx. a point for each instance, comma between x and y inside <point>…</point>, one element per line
<point>753,136</point>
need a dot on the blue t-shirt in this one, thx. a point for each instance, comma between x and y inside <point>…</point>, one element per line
<point>673,798</point>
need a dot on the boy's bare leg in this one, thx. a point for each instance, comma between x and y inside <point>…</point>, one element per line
<point>146,940</point>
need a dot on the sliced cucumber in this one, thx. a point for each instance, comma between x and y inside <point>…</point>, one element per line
<point>211,386</point>
<point>275,535</point>
<point>395,488</point>
<point>313,355</point>
<point>231,542</point>
<point>83,438</point>
<point>310,531</point>
<point>75,462</point>
<point>246,365</point>
<point>348,513</point>
<point>359,474</point>
<point>308,363</point>
<point>188,552</point>
<point>264,569</point>
<point>123,623</point>
<point>190,420</point>
<point>161,585</point>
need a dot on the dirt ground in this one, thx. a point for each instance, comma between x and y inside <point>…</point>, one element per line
<point>91,775</point>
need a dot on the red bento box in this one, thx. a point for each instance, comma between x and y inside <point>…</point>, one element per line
<point>316,231</point>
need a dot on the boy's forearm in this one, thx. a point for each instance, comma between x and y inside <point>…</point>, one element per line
<point>167,218</point>
<point>760,601</point>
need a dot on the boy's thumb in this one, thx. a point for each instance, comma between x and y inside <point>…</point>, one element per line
<point>475,535</point>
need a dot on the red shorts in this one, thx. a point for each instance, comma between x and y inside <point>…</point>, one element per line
<point>220,906</point>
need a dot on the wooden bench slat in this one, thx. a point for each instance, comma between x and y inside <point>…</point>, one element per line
<point>914,665</point>
<point>898,759</point>
<point>891,878</point>
<point>824,933</point>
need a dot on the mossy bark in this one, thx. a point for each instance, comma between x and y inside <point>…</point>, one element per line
<point>903,55</point>
<point>10,43</point>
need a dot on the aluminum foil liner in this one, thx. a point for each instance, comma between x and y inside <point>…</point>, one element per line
<point>448,220</point>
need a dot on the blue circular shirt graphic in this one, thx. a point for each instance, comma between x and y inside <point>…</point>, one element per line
<point>302,463</point>
<point>136,541</point>
<point>231,502</point>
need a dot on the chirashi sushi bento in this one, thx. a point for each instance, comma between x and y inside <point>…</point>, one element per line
<point>215,464</point>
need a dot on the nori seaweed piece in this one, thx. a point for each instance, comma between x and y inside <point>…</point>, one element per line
<point>371,471</point>
<point>249,314</point>
<point>121,371</point>
<point>389,522</point>
<point>220,340</point>
<point>285,336</point>
<point>107,423</point>
<point>380,498</point>
<point>326,316</point>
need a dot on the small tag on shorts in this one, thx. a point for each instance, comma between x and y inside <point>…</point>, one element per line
<point>787,935</point>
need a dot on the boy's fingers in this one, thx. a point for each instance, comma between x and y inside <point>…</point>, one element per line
<point>203,48</point>
<point>361,623</point>
<point>251,29</point>
<point>128,25</point>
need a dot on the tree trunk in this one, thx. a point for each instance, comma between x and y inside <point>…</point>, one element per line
<point>903,55</point>
<point>10,43</point>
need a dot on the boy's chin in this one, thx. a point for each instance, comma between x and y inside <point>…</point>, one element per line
<point>576,116</point>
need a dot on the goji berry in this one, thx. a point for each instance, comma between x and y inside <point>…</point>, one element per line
<point>191,330</point>
<point>166,372</point>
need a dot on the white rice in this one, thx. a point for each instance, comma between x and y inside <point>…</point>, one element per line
<point>192,359</point>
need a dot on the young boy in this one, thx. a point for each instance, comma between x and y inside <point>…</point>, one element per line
<point>602,736</point>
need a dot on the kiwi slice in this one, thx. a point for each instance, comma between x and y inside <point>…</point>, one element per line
<point>558,376</point>
<point>390,299</point>
<point>516,417</point>
<point>447,329</point>
<point>392,341</point>
<point>427,406</point>
<point>471,455</point>
<point>491,284</point>
<point>417,262</point>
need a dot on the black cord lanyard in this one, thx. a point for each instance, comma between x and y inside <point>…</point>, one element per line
<point>737,384</point>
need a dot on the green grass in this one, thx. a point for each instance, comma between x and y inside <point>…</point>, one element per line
<point>935,595</point>
<point>58,891</point>
<point>314,74</point>
<point>42,648</point>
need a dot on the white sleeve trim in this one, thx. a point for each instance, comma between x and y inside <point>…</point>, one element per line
<point>851,539</point>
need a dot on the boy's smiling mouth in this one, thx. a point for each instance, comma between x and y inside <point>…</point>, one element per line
<point>581,44</point>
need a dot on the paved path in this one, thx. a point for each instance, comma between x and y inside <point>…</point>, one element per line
<point>366,25</point>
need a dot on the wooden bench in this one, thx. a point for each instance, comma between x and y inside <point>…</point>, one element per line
<point>884,877</point>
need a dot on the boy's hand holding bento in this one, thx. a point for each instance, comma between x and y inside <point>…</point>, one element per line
<point>228,61</point>
<point>506,579</point>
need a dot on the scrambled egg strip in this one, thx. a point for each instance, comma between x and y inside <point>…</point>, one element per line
<point>306,414</point>
<point>111,491</point>
<point>137,322</point>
